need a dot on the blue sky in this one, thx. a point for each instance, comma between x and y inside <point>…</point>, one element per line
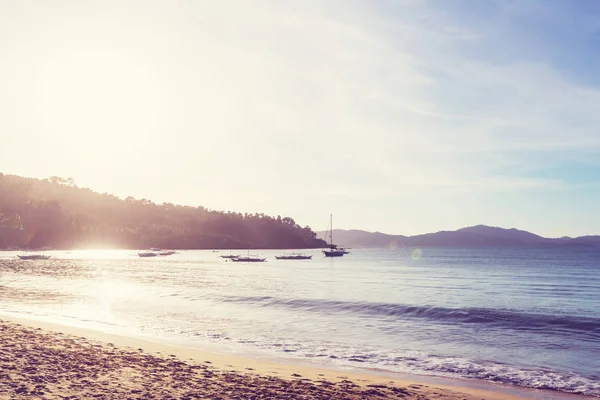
<point>399,116</point>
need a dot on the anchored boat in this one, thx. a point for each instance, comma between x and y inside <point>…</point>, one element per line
<point>294,256</point>
<point>33,257</point>
<point>148,254</point>
<point>248,258</point>
<point>333,250</point>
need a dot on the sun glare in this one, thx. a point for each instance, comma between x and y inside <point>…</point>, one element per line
<point>97,102</point>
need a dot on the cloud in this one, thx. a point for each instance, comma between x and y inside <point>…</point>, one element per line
<point>471,105</point>
<point>280,101</point>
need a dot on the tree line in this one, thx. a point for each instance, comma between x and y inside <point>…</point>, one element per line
<point>55,213</point>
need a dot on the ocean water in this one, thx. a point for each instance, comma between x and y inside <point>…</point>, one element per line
<point>525,317</point>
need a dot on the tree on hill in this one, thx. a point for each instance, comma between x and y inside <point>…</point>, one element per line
<point>55,213</point>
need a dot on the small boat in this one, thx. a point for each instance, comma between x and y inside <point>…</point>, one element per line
<point>148,254</point>
<point>33,257</point>
<point>167,253</point>
<point>294,256</point>
<point>248,258</point>
<point>333,250</point>
<point>231,257</point>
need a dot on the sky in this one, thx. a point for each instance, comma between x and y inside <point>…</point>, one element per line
<point>399,116</point>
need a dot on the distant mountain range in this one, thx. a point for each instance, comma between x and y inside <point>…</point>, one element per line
<point>480,235</point>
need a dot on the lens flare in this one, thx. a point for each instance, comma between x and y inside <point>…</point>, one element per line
<point>416,254</point>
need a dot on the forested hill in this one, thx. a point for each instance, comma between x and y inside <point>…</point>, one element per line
<point>55,213</point>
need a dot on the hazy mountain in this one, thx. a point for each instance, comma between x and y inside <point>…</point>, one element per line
<point>480,235</point>
<point>358,238</point>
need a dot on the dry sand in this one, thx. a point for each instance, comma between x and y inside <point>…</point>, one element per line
<point>49,364</point>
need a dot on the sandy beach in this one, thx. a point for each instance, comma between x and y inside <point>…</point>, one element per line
<point>39,360</point>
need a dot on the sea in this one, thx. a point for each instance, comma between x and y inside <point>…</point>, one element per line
<point>526,317</point>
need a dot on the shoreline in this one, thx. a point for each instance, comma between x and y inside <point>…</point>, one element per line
<point>164,248</point>
<point>287,370</point>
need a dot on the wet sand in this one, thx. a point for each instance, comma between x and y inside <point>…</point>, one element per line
<point>49,364</point>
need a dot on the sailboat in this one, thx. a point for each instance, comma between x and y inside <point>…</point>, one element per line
<point>333,249</point>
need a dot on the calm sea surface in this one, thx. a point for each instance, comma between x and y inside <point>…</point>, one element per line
<point>527,317</point>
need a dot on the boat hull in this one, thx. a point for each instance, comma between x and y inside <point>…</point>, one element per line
<point>333,253</point>
<point>34,257</point>
<point>293,257</point>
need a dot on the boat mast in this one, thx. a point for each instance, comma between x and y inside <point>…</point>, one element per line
<point>331,227</point>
